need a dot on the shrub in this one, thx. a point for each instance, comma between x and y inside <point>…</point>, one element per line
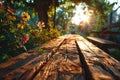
<point>18,34</point>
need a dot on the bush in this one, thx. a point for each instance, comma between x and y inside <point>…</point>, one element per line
<point>116,54</point>
<point>20,31</point>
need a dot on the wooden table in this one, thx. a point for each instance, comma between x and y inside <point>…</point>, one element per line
<point>103,44</point>
<point>68,57</point>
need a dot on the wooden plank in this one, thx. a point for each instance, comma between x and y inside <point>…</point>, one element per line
<point>103,43</point>
<point>100,65</point>
<point>64,62</point>
<point>64,65</point>
<point>53,43</point>
<point>16,73</point>
<point>76,71</point>
<point>16,66</point>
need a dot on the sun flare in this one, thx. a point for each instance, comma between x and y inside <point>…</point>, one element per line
<point>81,15</point>
<point>84,18</point>
<point>77,19</point>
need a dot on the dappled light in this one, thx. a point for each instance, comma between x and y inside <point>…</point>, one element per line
<point>82,14</point>
<point>77,19</point>
<point>59,40</point>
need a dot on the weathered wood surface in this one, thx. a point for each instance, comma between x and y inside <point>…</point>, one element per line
<point>103,44</point>
<point>69,57</point>
<point>15,67</point>
<point>99,64</point>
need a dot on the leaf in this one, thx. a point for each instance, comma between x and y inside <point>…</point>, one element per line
<point>5,57</point>
<point>41,51</point>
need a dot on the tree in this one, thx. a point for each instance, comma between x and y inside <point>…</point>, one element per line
<point>111,14</point>
<point>42,7</point>
<point>64,14</point>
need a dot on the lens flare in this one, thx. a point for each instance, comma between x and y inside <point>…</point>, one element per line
<point>77,19</point>
<point>82,14</point>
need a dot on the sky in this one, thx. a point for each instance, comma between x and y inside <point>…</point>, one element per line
<point>117,5</point>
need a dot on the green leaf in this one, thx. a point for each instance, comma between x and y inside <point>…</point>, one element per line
<point>5,57</point>
<point>41,51</point>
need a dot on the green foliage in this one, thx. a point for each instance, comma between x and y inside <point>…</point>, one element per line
<point>41,51</point>
<point>101,10</point>
<point>54,33</point>
<point>47,35</point>
<point>64,13</point>
<point>5,57</point>
<point>20,31</point>
<point>116,54</point>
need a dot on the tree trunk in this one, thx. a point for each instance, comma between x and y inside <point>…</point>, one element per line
<point>54,15</point>
<point>42,7</point>
<point>111,14</point>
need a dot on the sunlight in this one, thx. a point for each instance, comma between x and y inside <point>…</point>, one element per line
<point>84,18</point>
<point>81,14</point>
<point>77,19</point>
